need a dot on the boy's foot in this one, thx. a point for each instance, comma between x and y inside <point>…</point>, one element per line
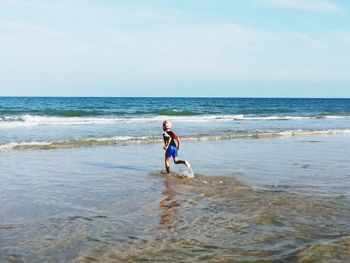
<point>188,165</point>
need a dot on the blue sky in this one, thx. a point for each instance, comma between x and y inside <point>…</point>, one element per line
<point>241,48</point>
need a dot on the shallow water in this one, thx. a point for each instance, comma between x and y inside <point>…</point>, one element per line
<point>256,200</point>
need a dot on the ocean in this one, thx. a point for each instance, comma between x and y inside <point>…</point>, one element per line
<point>82,180</point>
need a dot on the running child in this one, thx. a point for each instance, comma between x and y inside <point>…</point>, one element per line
<point>172,145</point>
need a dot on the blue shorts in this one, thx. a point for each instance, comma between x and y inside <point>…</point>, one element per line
<point>171,152</point>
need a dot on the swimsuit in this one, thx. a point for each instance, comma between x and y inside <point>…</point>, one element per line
<point>172,149</point>
<point>171,152</point>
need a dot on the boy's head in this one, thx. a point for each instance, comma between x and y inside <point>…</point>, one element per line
<point>166,125</point>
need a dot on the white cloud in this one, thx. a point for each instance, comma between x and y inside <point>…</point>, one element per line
<point>313,42</point>
<point>152,16</point>
<point>26,3</point>
<point>26,27</point>
<point>310,5</point>
<point>343,37</point>
<point>158,15</point>
<point>224,51</point>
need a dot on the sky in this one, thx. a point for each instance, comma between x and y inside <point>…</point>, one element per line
<point>194,48</point>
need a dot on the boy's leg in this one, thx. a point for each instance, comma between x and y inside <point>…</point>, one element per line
<point>177,161</point>
<point>167,164</point>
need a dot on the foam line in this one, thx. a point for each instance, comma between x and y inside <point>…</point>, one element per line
<point>115,140</point>
<point>33,120</point>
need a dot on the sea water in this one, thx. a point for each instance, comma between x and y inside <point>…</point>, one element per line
<point>81,180</point>
<point>35,123</point>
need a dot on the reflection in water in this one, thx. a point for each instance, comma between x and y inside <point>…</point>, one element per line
<point>206,219</point>
<point>219,219</point>
<point>169,204</point>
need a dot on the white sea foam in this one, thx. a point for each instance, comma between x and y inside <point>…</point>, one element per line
<point>86,142</point>
<point>32,120</point>
<point>335,117</point>
<point>311,132</point>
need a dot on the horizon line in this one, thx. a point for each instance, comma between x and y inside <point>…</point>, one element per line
<point>175,97</point>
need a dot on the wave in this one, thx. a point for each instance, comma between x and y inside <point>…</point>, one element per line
<point>175,112</point>
<point>74,113</point>
<point>125,140</point>
<point>55,112</point>
<point>34,120</point>
<point>75,143</point>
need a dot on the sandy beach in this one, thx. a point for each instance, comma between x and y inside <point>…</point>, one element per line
<point>288,200</point>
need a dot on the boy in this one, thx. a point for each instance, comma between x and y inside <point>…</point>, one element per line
<point>170,146</point>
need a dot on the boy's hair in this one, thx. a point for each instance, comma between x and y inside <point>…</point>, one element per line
<point>166,125</point>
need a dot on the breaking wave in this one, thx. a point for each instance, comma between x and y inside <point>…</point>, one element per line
<point>175,112</point>
<point>125,140</point>
<point>34,120</point>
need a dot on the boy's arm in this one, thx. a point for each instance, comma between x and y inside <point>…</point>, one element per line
<point>177,139</point>
<point>168,143</point>
<point>178,143</point>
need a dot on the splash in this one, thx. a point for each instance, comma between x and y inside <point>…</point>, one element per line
<point>187,174</point>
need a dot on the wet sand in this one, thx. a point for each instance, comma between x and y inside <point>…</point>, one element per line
<point>289,201</point>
